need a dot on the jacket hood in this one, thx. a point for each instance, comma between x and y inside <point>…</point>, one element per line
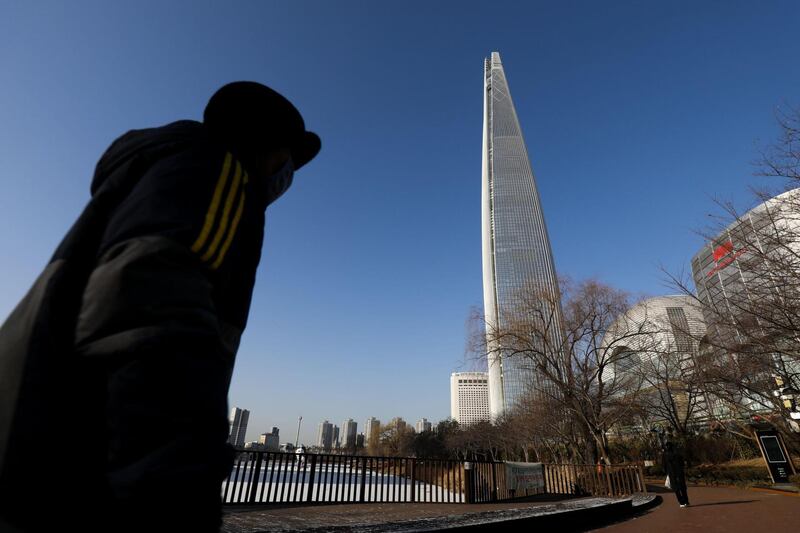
<point>144,143</point>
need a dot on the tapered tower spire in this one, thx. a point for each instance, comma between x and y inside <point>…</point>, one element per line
<point>516,247</point>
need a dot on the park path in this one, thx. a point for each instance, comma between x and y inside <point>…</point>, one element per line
<point>715,509</point>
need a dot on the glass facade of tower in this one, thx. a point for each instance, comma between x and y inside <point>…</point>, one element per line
<point>516,247</point>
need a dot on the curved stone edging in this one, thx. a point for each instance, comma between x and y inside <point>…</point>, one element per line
<point>569,516</point>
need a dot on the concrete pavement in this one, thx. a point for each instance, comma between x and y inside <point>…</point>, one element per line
<point>717,509</point>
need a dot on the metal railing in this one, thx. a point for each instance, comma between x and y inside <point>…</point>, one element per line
<point>594,480</point>
<point>489,483</point>
<point>273,477</point>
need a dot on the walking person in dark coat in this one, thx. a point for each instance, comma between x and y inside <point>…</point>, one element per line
<point>673,461</point>
<point>115,367</point>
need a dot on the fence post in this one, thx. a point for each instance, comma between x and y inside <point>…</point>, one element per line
<point>548,486</point>
<point>362,489</point>
<point>254,475</point>
<point>629,479</point>
<point>608,480</point>
<point>642,484</point>
<point>494,481</point>
<point>413,480</point>
<point>576,488</point>
<point>469,496</point>
<point>312,471</point>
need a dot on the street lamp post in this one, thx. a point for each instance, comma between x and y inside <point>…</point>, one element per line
<point>297,438</point>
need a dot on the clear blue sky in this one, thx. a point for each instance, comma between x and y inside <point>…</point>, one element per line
<point>636,115</point>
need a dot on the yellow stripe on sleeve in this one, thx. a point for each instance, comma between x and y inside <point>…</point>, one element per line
<point>226,211</point>
<point>215,199</point>
<point>231,233</point>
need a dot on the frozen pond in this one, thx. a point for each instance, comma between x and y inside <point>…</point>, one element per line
<point>332,483</point>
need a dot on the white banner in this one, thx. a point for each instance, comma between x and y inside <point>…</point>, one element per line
<point>522,476</point>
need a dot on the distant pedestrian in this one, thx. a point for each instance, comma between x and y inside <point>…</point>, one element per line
<point>673,461</point>
<point>115,367</point>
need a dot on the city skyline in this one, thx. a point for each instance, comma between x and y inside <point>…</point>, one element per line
<point>636,117</point>
<point>328,430</point>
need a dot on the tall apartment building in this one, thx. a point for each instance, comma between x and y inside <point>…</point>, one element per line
<point>238,426</point>
<point>469,397</point>
<point>398,423</point>
<point>516,247</point>
<point>325,435</point>
<point>271,441</point>
<point>349,432</point>
<point>423,425</point>
<point>372,429</point>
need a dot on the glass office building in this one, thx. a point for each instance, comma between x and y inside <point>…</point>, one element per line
<point>516,247</point>
<point>746,262</point>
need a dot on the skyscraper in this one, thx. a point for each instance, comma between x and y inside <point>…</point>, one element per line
<point>398,424</point>
<point>238,426</point>
<point>270,442</point>
<point>469,397</point>
<point>516,247</point>
<point>423,425</point>
<point>325,435</point>
<point>348,435</point>
<point>372,429</point>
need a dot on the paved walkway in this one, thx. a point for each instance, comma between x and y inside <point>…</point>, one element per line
<point>378,516</point>
<point>276,518</point>
<point>715,509</point>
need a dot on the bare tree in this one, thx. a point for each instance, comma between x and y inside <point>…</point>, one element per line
<point>395,439</point>
<point>672,387</point>
<point>782,158</point>
<point>570,355</point>
<point>549,436</point>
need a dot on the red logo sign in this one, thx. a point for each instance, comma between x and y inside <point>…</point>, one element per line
<point>722,250</point>
<point>724,255</point>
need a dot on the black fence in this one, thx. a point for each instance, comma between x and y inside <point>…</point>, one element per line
<point>272,477</point>
<point>267,477</point>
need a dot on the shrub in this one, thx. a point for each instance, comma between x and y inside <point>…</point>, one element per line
<point>719,448</point>
<point>654,471</point>
<point>728,475</point>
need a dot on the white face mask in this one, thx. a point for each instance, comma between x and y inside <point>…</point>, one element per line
<point>280,181</point>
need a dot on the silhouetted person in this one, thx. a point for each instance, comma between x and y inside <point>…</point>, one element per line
<point>115,367</point>
<point>673,461</point>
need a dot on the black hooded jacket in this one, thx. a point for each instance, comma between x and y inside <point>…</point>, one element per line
<point>115,366</point>
<point>673,462</point>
